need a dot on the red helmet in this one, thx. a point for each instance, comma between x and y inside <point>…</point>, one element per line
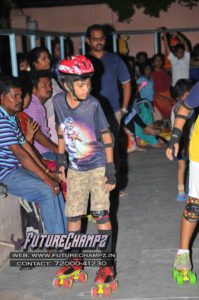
<point>76,65</point>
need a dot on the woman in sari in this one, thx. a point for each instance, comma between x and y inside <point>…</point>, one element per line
<point>162,98</point>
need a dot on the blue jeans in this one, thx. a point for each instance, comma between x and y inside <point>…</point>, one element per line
<point>49,155</point>
<point>23,183</point>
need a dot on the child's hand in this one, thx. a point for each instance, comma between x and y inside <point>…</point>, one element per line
<point>53,184</point>
<point>107,186</point>
<point>54,175</point>
<point>61,174</point>
<point>109,178</point>
<point>172,153</point>
<point>32,128</point>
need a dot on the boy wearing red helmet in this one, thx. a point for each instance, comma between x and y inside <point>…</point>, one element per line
<point>83,132</point>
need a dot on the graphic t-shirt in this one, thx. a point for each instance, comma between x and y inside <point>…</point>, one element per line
<point>81,129</point>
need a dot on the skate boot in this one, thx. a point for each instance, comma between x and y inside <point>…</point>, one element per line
<point>182,271</point>
<point>70,273</point>
<point>104,282</point>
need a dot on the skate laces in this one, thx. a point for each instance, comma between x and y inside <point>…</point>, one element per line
<point>104,271</point>
<point>101,271</point>
<point>182,259</point>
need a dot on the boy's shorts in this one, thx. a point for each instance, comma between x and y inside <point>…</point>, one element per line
<point>194,179</point>
<point>79,186</point>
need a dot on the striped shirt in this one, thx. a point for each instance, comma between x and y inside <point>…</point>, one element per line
<point>10,134</point>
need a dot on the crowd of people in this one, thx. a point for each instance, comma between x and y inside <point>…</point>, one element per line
<point>51,123</point>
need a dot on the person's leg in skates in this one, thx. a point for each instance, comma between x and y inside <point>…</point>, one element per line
<point>182,260</point>
<point>100,211</point>
<point>107,273</point>
<point>77,201</point>
<point>188,223</point>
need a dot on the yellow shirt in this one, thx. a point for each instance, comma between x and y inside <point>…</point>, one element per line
<point>194,142</point>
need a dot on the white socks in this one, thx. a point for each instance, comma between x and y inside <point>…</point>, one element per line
<point>182,251</point>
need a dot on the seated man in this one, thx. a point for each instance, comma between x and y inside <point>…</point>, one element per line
<point>41,92</point>
<point>20,168</point>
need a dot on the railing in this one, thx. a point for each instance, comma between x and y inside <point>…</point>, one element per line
<point>48,36</point>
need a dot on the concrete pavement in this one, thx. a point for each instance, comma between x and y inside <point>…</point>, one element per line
<point>148,235</point>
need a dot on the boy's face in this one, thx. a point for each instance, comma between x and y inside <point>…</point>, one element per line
<point>184,96</point>
<point>82,88</point>
<point>179,53</point>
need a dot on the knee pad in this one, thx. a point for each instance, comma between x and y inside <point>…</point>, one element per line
<point>191,212</point>
<point>74,219</point>
<point>101,216</point>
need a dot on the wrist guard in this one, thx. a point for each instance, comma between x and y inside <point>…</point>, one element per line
<point>175,137</point>
<point>110,173</point>
<point>61,161</point>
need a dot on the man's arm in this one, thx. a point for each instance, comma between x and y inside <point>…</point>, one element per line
<point>166,44</point>
<point>29,163</point>
<point>44,141</point>
<point>126,95</point>
<point>184,42</point>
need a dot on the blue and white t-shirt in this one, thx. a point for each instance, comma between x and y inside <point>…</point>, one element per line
<point>10,134</point>
<point>81,129</point>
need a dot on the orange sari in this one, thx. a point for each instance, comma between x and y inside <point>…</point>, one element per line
<point>164,103</point>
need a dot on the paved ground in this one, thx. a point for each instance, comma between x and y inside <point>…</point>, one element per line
<point>148,235</point>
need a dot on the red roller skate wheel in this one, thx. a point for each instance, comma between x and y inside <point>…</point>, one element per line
<point>56,282</point>
<point>83,277</point>
<point>106,292</point>
<point>94,292</point>
<point>114,285</point>
<point>67,283</point>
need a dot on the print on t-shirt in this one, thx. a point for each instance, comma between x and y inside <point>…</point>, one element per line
<point>80,141</point>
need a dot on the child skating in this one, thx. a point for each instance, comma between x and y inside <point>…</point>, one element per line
<point>83,132</point>
<point>182,270</point>
<point>181,91</point>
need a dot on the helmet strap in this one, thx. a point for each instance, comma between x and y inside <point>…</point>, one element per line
<point>70,85</point>
<point>71,88</point>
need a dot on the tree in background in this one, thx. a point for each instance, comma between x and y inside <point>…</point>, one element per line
<point>6,6</point>
<point>126,9</point>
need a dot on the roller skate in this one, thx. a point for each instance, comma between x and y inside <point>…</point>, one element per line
<point>72,272</point>
<point>104,282</point>
<point>182,271</point>
<point>91,218</point>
